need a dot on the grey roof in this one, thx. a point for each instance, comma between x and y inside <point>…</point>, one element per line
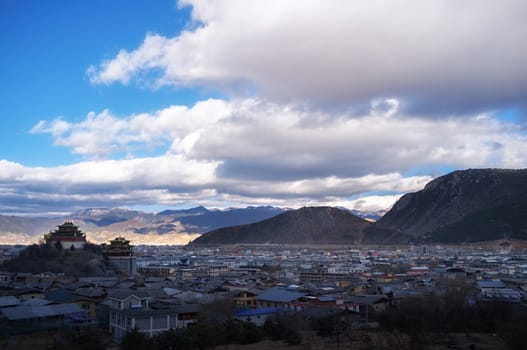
<point>155,293</point>
<point>490,284</point>
<point>90,292</point>
<point>279,295</point>
<point>174,310</point>
<point>77,285</point>
<point>326,298</point>
<point>61,296</point>
<point>25,290</point>
<point>29,312</point>
<point>123,294</point>
<point>98,279</point>
<point>365,299</point>
<point>171,291</point>
<point>36,302</point>
<point>155,279</point>
<point>8,301</point>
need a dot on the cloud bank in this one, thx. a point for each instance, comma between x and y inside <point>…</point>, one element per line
<point>436,55</point>
<point>252,151</point>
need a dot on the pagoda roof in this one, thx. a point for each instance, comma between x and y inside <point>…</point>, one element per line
<point>120,240</point>
<point>68,229</point>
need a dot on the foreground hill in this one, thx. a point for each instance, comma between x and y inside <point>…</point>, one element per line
<point>463,206</point>
<point>47,258</point>
<point>308,225</point>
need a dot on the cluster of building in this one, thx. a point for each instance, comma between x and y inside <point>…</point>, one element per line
<point>158,288</point>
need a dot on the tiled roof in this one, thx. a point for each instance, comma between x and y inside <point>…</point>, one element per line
<point>61,296</point>
<point>259,311</point>
<point>279,295</point>
<point>179,309</point>
<point>29,312</point>
<point>123,294</point>
<point>491,284</point>
<point>8,301</point>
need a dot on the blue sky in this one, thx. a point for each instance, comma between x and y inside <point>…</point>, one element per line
<point>48,46</point>
<point>163,104</point>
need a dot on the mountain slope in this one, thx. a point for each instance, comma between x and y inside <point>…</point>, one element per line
<point>452,205</point>
<point>308,225</point>
<point>213,219</point>
<point>504,222</point>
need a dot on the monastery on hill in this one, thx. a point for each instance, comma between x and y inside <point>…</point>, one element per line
<point>68,235</point>
<point>120,255</point>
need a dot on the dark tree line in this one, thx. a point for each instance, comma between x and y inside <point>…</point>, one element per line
<point>201,335</point>
<point>39,258</point>
<point>452,314</point>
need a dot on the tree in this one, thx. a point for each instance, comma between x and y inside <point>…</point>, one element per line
<point>58,245</point>
<point>280,329</point>
<point>292,337</point>
<point>135,340</point>
<point>218,311</point>
<point>205,335</point>
<point>168,340</point>
<point>88,339</point>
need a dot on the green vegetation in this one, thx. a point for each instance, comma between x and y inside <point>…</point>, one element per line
<point>39,258</point>
<point>210,333</point>
<point>504,222</point>
<point>451,314</point>
<point>280,329</point>
<point>86,338</point>
<point>199,335</point>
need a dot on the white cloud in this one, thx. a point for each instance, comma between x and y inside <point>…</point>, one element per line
<point>326,188</point>
<point>142,173</point>
<point>103,134</point>
<point>259,140</point>
<point>126,65</point>
<point>252,151</point>
<point>262,140</point>
<point>370,203</point>
<point>463,54</point>
<point>56,128</point>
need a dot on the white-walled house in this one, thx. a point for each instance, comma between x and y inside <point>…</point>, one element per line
<point>132,309</point>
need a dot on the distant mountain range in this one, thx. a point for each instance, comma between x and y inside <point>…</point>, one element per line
<point>464,206</point>
<point>102,224</point>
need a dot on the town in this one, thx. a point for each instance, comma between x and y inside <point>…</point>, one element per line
<point>155,289</point>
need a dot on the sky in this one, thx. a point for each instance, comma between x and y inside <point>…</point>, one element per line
<point>162,104</point>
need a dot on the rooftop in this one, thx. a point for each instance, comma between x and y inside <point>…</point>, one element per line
<point>280,295</point>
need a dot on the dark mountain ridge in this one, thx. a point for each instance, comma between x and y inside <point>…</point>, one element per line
<point>465,205</point>
<point>308,225</point>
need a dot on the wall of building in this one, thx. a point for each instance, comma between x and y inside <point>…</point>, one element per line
<point>124,264</point>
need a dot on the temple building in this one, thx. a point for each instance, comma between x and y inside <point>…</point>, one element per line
<point>120,255</point>
<point>68,235</point>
